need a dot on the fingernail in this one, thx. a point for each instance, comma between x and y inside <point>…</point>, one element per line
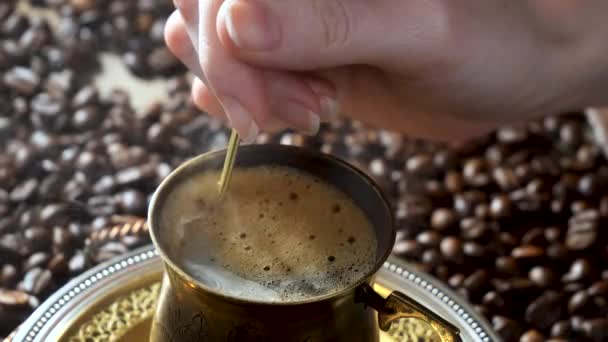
<point>300,118</point>
<point>240,119</point>
<point>330,108</point>
<point>252,26</point>
<point>314,123</point>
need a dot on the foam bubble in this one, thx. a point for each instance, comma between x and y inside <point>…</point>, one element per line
<point>276,235</point>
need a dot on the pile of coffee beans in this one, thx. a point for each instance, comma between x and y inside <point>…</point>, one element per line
<point>514,225</point>
<point>512,222</point>
<point>132,29</point>
<point>73,163</point>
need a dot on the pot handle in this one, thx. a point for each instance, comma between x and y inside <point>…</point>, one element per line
<point>397,305</point>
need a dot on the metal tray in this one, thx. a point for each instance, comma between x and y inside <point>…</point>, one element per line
<point>115,301</point>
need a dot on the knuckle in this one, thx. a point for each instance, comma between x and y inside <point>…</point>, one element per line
<point>335,21</point>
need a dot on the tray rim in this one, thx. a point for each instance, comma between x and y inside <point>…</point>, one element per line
<point>46,314</point>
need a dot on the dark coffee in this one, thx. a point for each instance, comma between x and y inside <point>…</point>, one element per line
<point>278,235</point>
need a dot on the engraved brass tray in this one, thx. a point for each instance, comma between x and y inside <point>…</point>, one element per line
<point>115,302</point>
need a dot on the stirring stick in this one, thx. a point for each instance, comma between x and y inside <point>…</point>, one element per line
<point>233,145</point>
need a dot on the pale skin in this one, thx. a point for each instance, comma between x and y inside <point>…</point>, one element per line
<point>438,69</point>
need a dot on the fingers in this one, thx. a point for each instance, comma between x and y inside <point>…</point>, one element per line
<point>307,35</point>
<point>189,12</point>
<point>236,86</point>
<point>248,96</point>
<point>204,99</point>
<point>288,109</point>
<point>179,43</point>
<point>290,96</point>
<point>293,101</point>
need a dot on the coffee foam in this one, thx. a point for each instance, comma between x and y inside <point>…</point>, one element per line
<point>278,234</point>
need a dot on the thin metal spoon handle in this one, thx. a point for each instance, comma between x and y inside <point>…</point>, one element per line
<point>233,145</point>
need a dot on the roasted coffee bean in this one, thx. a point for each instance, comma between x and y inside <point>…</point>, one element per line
<point>527,252</point>
<point>598,288</point>
<point>579,269</point>
<point>576,322</point>
<point>28,217</point>
<point>37,281</point>
<point>87,95</point>
<point>571,133</point>
<point>532,336</point>
<point>506,328</point>
<point>421,164</point>
<point>451,248</point>
<point>534,236</point>
<point>132,242</point>
<point>162,61</point>
<point>596,329</point>
<point>12,298</point>
<point>86,117</point>
<point>407,248</point>
<point>443,218</point>
<point>473,249</point>
<point>62,238</point>
<point>511,135</point>
<point>493,301</point>
<point>557,251</point>
<point>495,154</point>
<point>453,182</point>
<point>545,310</point>
<point>24,191</point>
<point>541,276</point>
<point>49,109</point>
<point>134,175</point>
<point>572,287</point>
<point>552,234</point>
<point>431,257</point>
<point>514,287</point>
<point>54,214</point>
<point>12,247</point>
<point>101,205</point>
<point>6,9</point>
<point>506,265</point>
<point>132,202</point>
<point>8,275</point>
<point>428,238</point>
<point>582,230</point>
<point>38,237</point>
<point>473,228</point>
<point>500,206</point>
<point>465,203</point>
<point>445,160</point>
<point>36,260</point>
<point>456,280</point>
<point>109,250</point>
<point>482,211</point>
<point>588,185</point>
<point>577,302</point>
<point>561,329</point>
<point>22,80</point>
<point>473,167</point>
<point>104,185</point>
<point>58,264</point>
<point>77,263</point>
<point>476,281</point>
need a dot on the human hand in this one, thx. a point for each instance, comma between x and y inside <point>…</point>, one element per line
<point>437,69</point>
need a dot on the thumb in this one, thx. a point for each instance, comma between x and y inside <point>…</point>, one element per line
<point>313,34</point>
